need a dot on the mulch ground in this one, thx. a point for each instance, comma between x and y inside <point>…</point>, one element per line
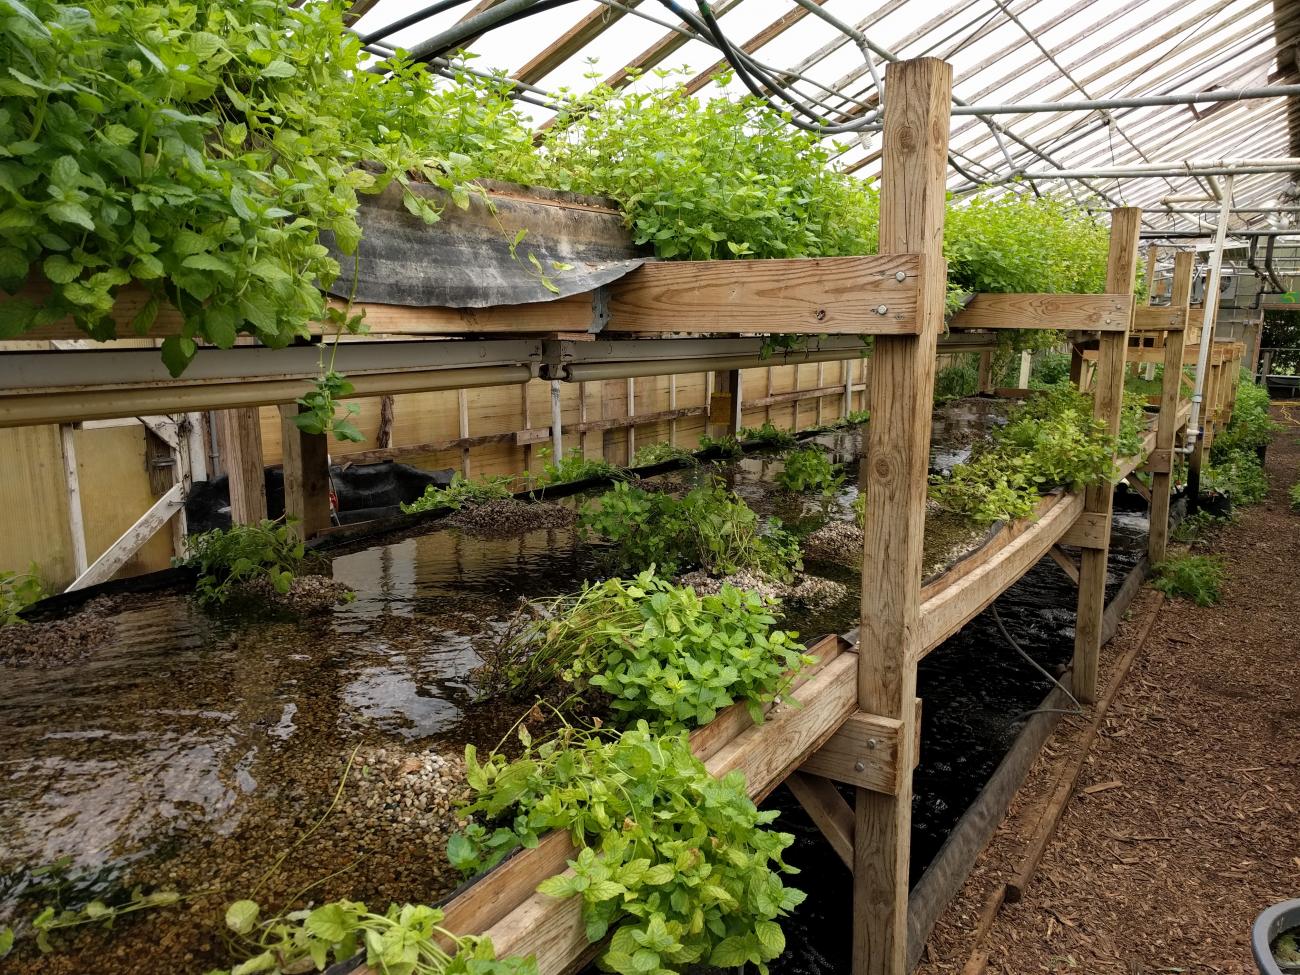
<point>1185,823</point>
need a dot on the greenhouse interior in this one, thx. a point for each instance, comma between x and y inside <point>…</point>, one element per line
<point>522,487</point>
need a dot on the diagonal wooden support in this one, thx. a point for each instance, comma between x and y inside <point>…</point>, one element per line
<point>1138,487</point>
<point>828,809</point>
<point>1065,562</point>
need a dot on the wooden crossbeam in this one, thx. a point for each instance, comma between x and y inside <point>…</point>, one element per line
<point>1065,562</point>
<point>827,809</point>
<point>1149,318</point>
<point>1105,313</point>
<point>130,542</point>
<point>863,752</point>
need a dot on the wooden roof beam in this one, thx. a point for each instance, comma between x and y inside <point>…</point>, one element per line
<point>571,42</point>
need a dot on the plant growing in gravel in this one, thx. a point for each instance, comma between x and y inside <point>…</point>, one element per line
<point>808,470</point>
<point>726,446</point>
<point>18,590</point>
<point>674,863</point>
<point>462,493</point>
<point>407,939</point>
<point>1294,494</point>
<point>709,527</point>
<point>574,466</point>
<point>767,435</point>
<point>659,652</point>
<point>662,453</point>
<point>1196,577</point>
<point>228,558</point>
<point>53,919</point>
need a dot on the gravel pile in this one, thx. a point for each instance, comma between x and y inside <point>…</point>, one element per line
<point>307,595</point>
<point>57,642</point>
<point>392,788</point>
<point>509,517</point>
<point>835,541</point>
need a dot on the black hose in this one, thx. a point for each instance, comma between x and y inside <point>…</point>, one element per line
<point>424,13</point>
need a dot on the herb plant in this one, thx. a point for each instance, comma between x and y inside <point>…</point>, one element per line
<point>675,863</point>
<point>659,652</point>
<point>767,435</point>
<point>1239,476</point>
<point>809,470</point>
<point>228,558</point>
<point>709,527</point>
<point>52,919</point>
<point>726,446</point>
<point>406,939</point>
<point>1196,577</point>
<point>18,590</point>
<point>461,493</point>
<point>1294,494</point>
<point>574,466</point>
<point>1251,428</point>
<point>662,453</point>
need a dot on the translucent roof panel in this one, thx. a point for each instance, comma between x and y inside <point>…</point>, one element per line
<point>1004,53</point>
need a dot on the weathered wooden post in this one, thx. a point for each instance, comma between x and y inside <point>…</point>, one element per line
<point>915,148</point>
<point>1170,394</point>
<point>305,463</point>
<point>1108,400</point>
<point>240,432</point>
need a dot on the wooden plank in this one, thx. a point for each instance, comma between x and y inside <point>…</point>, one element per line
<point>1065,562</point>
<point>901,394</point>
<point>1089,531</point>
<point>306,465</point>
<point>1159,461</point>
<point>120,552</point>
<point>240,433</point>
<point>820,295</point>
<point>863,752</point>
<point>827,808</point>
<point>1108,401</point>
<point>1105,312</point>
<point>72,491</point>
<point>949,604</point>
<point>1162,318</point>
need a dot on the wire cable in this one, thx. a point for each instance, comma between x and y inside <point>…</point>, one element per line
<point>1011,641</point>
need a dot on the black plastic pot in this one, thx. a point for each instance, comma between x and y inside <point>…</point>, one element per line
<point>1271,923</point>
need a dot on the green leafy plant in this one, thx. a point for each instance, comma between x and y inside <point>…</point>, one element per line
<point>1239,476</point>
<point>53,919</point>
<point>461,493</point>
<point>767,435</point>
<point>1294,494</point>
<point>574,466</point>
<point>657,651</point>
<point>709,527</point>
<point>809,469</point>
<point>1132,424</point>
<point>6,940</point>
<point>407,939</point>
<point>1052,441</point>
<point>1197,526</point>
<point>662,453</point>
<point>955,382</point>
<point>1251,427</point>
<point>675,863</point>
<point>1196,577</point>
<point>726,446</point>
<point>228,558</point>
<point>18,590</point>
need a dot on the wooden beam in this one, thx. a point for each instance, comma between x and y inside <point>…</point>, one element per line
<point>1169,422</point>
<point>901,395</point>
<point>812,295</point>
<point>657,52</point>
<point>240,433</point>
<point>306,466</point>
<point>1159,318</point>
<point>120,552</point>
<point>1108,401</point>
<point>1065,562</point>
<point>1104,312</point>
<point>863,752</point>
<point>827,809</point>
<point>72,490</point>
<point>773,30</point>
<point>571,42</point>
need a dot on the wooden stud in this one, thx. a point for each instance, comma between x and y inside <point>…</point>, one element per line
<point>631,414</point>
<point>984,376</point>
<point>462,426</point>
<point>1108,400</point>
<point>72,487</point>
<point>306,468</point>
<point>241,449</point>
<point>672,405</point>
<point>130,542</point>
<point>557,430</point>
<point>863,752</point>
<point>915,142</point>
<point>1065,562</point>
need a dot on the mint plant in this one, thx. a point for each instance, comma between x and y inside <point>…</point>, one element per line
<point>573,466</point>
<point>1198,578</point>
<point>767,434</point>
<point>809,470</point>
<point>227,558</point>
<point>18,590</point>
<point>462,493</point>
<point>674,863</point>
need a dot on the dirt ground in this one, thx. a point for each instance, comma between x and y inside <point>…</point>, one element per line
<point>1185,823</point>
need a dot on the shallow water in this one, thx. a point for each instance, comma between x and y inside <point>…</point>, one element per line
<point>193,751</point>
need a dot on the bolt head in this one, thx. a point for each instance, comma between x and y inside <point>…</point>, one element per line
<point>900,276</point>
<point>872,743</point>
<point>859,766</point>
<point>882,309</point>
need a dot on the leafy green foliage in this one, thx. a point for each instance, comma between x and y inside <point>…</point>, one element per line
<point>767,435</point>
<point>1132,425</point>
<point>1198,526</point>
<point>1052,441</point>
<point>726,446</point>
<point>1196,577</point>
<point>461,493</point>
<point>574,466</point>
<point>1049,368</point>
<point>1251,426</point>
<point>675,863</point>
<point>228,558</point>
<point>1239,476</point>
<point>809,469</point>
<point>6,940</point>
<point>659,652</point>
<point>1294,494</point>
<point>53,919</point>
<point>319,409</point>
<point>954,382</point>
<point>406,939</point>
<point>662,453</point>
<point>18,590</point>
<point>709,527</point>
<point>198,150</point>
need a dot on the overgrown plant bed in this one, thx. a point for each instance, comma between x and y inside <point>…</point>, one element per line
<point>200,775</point>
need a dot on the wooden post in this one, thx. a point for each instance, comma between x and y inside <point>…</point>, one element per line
<point>672,405</point>
<point>557,427</point>
<point>462,421</point>
<point>914,168</point>
<point>984,382</point>
<point>1108,399</point>
<point>306,466</point>
<point>1170,394</point>
<point>241,449</point>
<point>724,404</point>
<point>631,424</point>
<point>1026,366</point>
<point>72,484</point>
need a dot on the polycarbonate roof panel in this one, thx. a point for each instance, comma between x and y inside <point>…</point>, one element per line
<point>1003,52</point>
